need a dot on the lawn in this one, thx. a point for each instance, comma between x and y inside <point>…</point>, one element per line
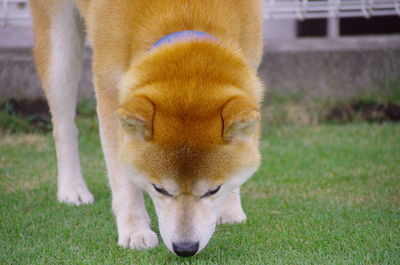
<point>325,194</point>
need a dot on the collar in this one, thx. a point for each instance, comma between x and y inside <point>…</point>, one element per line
<point>185,35</point>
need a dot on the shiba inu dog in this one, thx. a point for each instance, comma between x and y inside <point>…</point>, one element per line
<point>178,106</point>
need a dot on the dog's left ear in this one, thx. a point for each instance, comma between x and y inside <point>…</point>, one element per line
<point>240,118</point>
<point>136,116</point>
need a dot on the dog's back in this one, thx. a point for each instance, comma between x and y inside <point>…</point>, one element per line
<point>127,28</point>
<point>142,23</point>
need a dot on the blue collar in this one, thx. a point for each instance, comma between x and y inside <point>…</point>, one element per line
<point>185,35</point>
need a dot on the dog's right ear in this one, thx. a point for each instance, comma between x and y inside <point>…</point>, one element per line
<point>136,116</point>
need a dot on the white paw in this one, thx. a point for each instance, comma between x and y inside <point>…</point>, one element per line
<point>75,195</point>
<point>231,217</point>
<point>139,240</point>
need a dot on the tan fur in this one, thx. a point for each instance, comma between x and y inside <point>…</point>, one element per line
<point>41,22</point>
<point>188,110</point>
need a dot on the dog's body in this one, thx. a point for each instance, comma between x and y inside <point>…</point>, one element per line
<point>188,122</point>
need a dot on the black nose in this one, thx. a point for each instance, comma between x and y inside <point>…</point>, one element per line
<point>185,249</point>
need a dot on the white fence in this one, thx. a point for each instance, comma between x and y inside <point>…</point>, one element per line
<point>302,9</point>
<point>16,12</point>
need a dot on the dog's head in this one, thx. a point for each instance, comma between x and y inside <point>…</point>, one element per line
<point>189,136</point>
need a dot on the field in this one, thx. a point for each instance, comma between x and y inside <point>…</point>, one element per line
<point>325,194</point>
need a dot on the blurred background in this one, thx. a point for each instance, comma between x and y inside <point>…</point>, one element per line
<point>324,60</point>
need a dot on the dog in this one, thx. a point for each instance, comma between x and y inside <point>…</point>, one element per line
<point>178,102</point>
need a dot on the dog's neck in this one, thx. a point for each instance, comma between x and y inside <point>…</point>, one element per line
<point>206,64</point>
<point>185,35</point>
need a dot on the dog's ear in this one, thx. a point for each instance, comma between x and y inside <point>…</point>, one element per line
<point>136,116</point>
<point>240,118</point>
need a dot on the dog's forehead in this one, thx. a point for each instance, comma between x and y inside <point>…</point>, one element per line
<point>194,187</point>
<point>188,165</point>
<point>184,167</point>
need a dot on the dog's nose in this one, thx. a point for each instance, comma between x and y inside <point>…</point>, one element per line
<point>185,249</point>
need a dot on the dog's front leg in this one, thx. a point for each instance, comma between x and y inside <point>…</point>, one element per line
<point>232,211</point>
<point>133,222</point>
<point>132,219</point>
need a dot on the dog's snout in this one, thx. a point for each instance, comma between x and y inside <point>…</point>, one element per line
<point>185,249</point>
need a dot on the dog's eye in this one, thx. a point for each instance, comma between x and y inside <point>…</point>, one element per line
<point>211,192</point>
<point>161,190</point>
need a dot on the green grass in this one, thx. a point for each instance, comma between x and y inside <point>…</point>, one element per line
<point>326,194</point>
